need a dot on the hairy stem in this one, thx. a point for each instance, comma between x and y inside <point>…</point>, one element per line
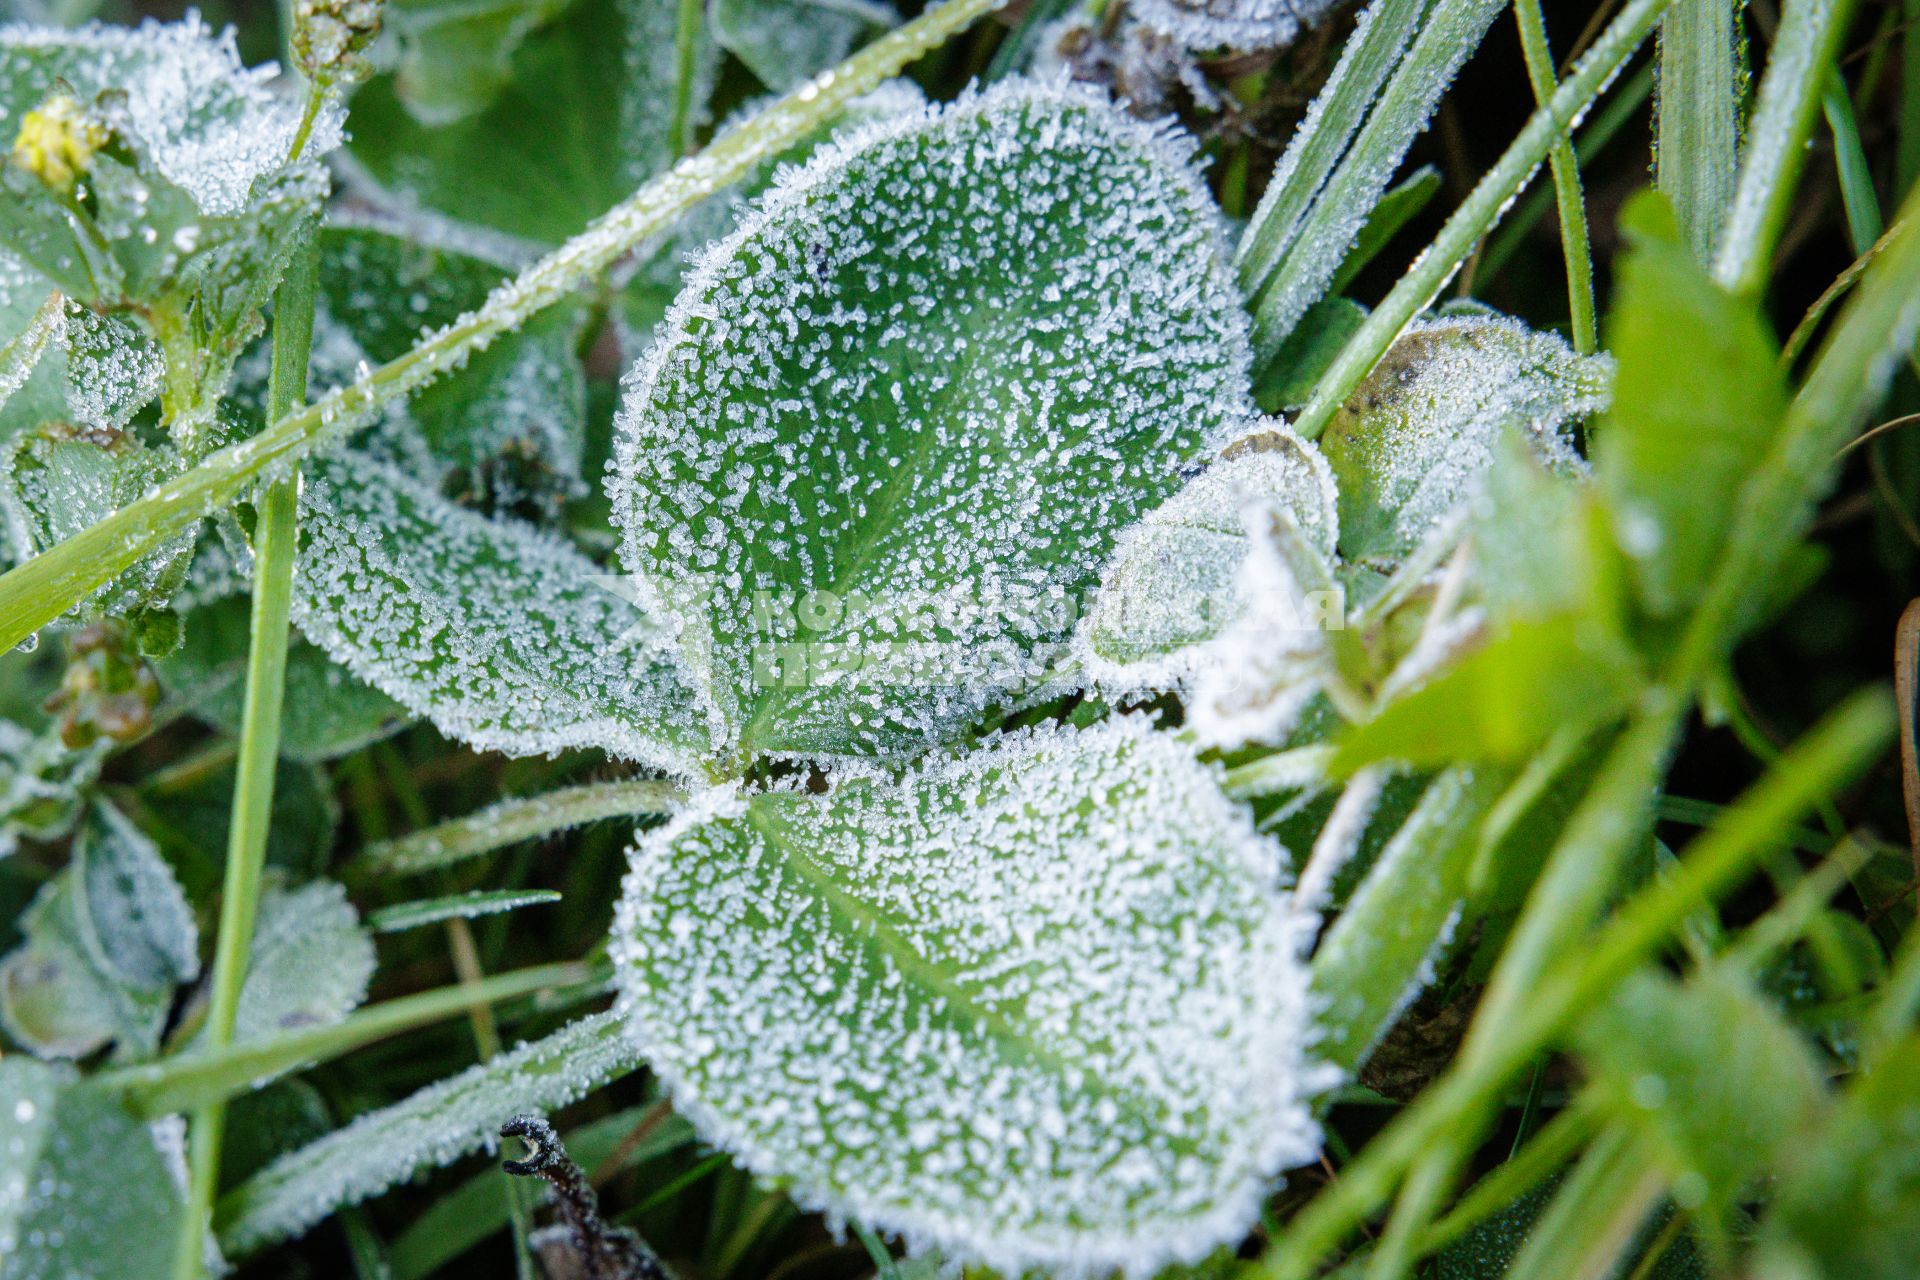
<point>530,818</point>
<point>35,593</point>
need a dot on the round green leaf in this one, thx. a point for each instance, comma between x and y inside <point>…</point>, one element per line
<point>1041,1005</point>
<point>895,422</point>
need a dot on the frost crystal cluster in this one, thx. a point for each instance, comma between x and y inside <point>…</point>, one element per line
<point>894,424</point>
<point>1041,1005</point>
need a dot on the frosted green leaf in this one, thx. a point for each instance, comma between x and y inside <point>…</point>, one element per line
<point>456,56</point>
<point>1173,582</point>
<point>785,41</point>
<point>1038,1006</point>
<point>42,783</point>
<point>1414,441</point>
<point>896,421</point>
<point>136,922</point>
<point>191,205</point>
<point>1257,678</point>
<point>510,424</point>
<point>84,1188</point>
<point>1204,26</point>
<point>653,279</point>
<point>92,370</point>
<point>214,128</point>
<point>435,1126</point>
<point>495,632</point>
<point>581,121</point>
<point>309,963</point>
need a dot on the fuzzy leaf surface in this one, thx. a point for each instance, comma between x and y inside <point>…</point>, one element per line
<point>896,421</point>
<point>1038,1006</point>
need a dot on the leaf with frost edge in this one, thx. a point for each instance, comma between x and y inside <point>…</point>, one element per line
<point>1270,1124</point>
<point>790,201</point>
<point>530,711</point>
<point>1213,506</point>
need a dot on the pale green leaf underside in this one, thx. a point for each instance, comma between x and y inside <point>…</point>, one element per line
<point>492,630</point>
<point>1173,581</point>
<point>437,1125</point>
<point>1038,1006</point>
<point>895,422</point>
<point>1416,439</point>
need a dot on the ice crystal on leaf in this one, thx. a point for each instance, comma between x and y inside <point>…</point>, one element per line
<point>191,203</point>
<point>1207,25</point>
<point>895,422</point>
<point>492,630</point>
<point>1415,440</point>
<point>1174,581</point>
<point>1038,1006</point>
<point>439,1124</point>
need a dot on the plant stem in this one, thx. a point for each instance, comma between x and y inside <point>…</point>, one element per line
<point>1697,116</point>
<point>1803,53</point>
<point>195,1079</point>
<point>686,42</point>
<point>35,593</point>
<point>276,541</point>
<point>1574,241</point>
<point>1480,211</point>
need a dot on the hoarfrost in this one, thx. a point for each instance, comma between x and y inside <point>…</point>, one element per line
<point>213,126</point>
<point>785,41</point>
<point>1256,679</point>
<point>136,922</point>
<point>1204,26</point>
<point>1416,439</point>
<point>895,422</point>
<point>1038,1006</point>
<point>489,628</point>
<point>435,1126</point>
<point>1174,580</point>
<point>456,906</point>
<point>309,963</point>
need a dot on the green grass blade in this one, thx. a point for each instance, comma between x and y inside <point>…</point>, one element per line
<point>1369,58</point>
<point>1803,50</point>
<point>523,818</point>
<point>1478,214</point>
<point>1450,32</point>
<point>1697,121</point>
<point>193,1080</point>
<point>1575,245</point>
<point>276,542</point>
<point>1857,196</point>
<point>1841,745</point>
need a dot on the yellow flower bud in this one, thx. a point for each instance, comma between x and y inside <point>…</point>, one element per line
<point>56,141</point>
